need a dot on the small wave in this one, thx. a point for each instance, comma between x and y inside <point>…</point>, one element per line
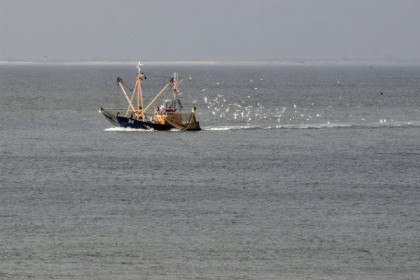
<point>237,127</point>
<point>286,126</point>
<point>412,124</point>
<point>318,126</point>
<point>315,126</point>
<point>128,129</point>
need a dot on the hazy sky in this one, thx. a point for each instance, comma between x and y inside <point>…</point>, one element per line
<point>209,29</point>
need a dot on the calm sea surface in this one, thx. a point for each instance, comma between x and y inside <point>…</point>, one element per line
<point>301,172</point>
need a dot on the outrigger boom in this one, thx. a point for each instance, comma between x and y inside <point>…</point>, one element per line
<point>170,115</point>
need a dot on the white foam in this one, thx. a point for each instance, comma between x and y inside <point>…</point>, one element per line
<point>327,125</point>
<point>224,128</point>
<point>128,129</point>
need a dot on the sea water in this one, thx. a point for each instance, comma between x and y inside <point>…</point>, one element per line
<point>300,172</point>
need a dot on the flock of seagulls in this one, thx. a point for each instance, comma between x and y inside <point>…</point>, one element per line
<point>242,110</point>
<point>247,110</point>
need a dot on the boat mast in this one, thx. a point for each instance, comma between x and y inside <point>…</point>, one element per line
<point>175,86</point>
<point>140,77</point>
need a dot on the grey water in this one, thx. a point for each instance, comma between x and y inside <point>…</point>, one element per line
<point>300,172</point>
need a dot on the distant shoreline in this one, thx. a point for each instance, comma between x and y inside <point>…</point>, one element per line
<point>217,62</point>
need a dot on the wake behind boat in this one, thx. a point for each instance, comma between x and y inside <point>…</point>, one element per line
<point>170,115</point>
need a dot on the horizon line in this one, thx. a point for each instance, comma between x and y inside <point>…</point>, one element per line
<point>321,61</point>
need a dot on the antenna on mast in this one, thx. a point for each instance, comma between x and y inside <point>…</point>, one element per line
<point>175,85</point>
<point>138,67</point>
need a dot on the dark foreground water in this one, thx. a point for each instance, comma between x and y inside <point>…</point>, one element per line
<point>301,172</point>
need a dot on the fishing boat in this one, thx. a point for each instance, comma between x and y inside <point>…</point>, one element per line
<point>170,115</point>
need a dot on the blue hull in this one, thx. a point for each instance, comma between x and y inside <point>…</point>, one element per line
<point>139,124</point>
<point>148,125</point>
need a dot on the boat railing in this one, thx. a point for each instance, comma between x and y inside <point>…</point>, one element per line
<point>123,112</point>
<point>170,111</point>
